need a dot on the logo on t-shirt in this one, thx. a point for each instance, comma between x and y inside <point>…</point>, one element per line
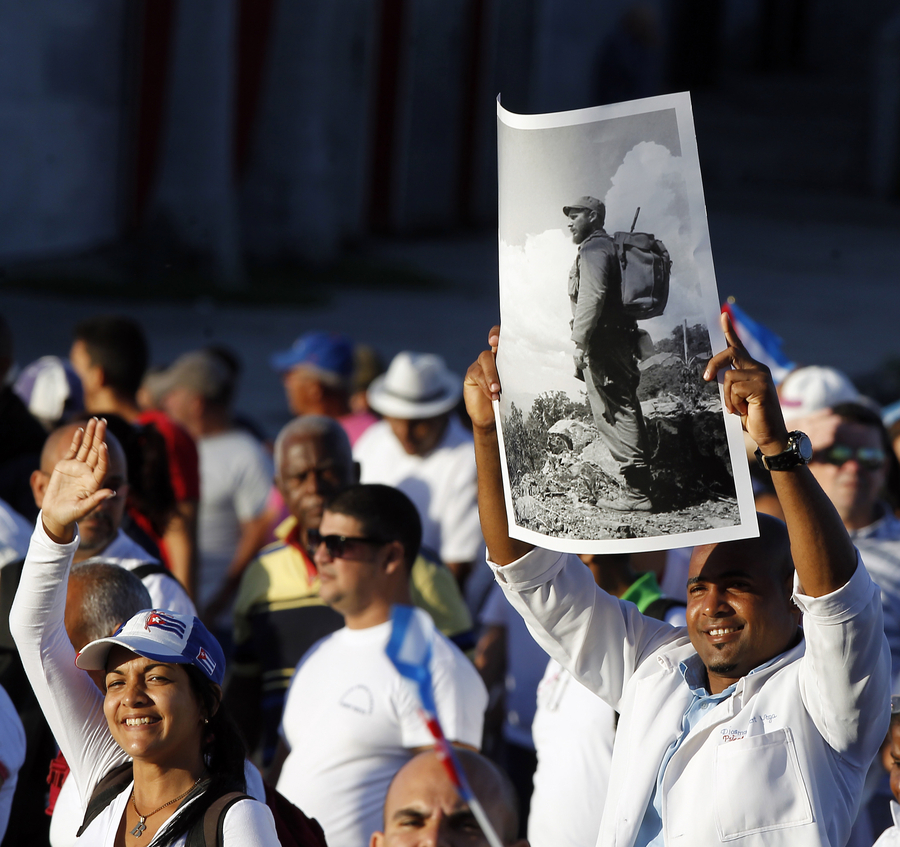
<point>359,699</point>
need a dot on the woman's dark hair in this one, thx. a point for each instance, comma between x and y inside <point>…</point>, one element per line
<point>223,750</point>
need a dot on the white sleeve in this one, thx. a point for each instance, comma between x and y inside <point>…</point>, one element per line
<point>598,638</point>
<point>845,670</point>
<point>249,823</point>
<point>71,703</point>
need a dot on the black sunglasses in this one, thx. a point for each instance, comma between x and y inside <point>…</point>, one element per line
<point>870,458</point>
<point>336,545</point>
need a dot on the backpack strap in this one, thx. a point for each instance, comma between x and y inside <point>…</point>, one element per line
<point>105,791</point>
<point>150,568</point>
<point>209,831</point>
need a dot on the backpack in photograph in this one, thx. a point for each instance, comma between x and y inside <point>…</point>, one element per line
<point>646,266</point>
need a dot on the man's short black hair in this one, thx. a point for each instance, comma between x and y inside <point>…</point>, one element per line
<point>118,345</point>
<point>383,512</point>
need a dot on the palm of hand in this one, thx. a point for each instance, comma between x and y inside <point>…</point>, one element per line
<point>69,495</point>
<point>74,487</point>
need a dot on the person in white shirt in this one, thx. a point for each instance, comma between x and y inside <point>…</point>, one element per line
<point>103,538</point>
<point>163,672</point>
<point>12,756</point>
<point>235,479</point>
<point>422,448</point>
<point>350,720</point>
<point>742,728</point>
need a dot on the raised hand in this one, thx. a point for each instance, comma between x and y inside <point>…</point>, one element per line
<point>749,392</point>
<point>482,384</point>
<point>74,488</point>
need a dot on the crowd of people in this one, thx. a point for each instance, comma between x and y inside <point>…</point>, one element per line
<point>194,617</point>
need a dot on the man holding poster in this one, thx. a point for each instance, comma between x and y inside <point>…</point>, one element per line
<point>742,728</point>
<point>606,356</point>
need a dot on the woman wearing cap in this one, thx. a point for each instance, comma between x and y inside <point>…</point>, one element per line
<point>162,674</point>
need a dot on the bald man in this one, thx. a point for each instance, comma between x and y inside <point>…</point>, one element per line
<point>422,806</point>
<point>100,534</point>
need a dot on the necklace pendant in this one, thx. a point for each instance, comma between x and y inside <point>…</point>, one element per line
<point>139,828</point>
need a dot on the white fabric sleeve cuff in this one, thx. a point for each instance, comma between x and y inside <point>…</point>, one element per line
<point>40,541</point>
<point>840,605</point>
<point>535,568</point>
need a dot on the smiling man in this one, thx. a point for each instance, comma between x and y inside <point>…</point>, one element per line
<point>742,728</point>
<point>350,721</point>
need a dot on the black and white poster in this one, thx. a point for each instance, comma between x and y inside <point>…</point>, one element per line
<point>611,439</point>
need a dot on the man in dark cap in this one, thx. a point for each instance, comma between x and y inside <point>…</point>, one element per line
<point>607,352</point>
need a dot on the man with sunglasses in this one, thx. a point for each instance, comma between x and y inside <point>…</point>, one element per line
<point>852,462</point>
<point>278,613</point>
<point>350,721</point>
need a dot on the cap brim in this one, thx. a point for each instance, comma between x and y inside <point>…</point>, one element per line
<point>95,654</point>
<point>284,361</point>
<point>391,406</point>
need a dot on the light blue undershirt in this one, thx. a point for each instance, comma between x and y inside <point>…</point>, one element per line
<point>694,673</point>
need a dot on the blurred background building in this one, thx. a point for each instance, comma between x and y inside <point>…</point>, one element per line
<point>228,132</point>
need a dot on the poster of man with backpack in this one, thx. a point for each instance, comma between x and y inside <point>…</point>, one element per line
<point>630,449</point>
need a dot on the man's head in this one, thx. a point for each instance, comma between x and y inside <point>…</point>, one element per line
<point>317,373</point>
<point>740,613</point>
<point>99,528</point>
<point>851,453</point>
<point>100,597</point>
<point>586,216</point>
<point>109,352</point>
<point>423,808</point>
<point>415,396</point>
<point>367,542</point>
<point>197,385</point>
<point>313,462</point>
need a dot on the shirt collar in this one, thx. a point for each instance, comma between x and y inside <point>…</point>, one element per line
<point>694,674</point>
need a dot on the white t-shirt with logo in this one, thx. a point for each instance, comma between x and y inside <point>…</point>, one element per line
<point>351,722</point>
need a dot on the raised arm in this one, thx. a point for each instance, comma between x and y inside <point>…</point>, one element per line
<point>481,386</point>
<point>822,551</point>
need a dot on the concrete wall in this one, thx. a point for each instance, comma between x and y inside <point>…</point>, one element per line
<point>305,191</point>
<point>62,75</point>
<point>195,195</point>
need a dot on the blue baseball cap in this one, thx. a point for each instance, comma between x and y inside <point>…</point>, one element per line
<point>164,636</point>
<point>331,352</point>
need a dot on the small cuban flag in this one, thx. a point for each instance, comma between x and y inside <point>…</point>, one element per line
<point>761,343</point>
<point>409,649</point>
<point>206,662</point>
<point>163,620</point>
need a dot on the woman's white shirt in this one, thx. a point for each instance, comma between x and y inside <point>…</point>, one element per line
<point>73,705</point>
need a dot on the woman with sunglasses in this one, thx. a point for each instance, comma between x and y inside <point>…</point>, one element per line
<point>161,673</point>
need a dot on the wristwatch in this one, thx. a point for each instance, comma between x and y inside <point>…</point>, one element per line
<point>798,452</point>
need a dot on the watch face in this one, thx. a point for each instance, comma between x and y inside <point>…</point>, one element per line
<point>804,447</point>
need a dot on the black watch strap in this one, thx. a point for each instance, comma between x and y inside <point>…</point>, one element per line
<point>798,452</point>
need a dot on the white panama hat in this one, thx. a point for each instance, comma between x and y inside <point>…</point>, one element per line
<point>415,386</point>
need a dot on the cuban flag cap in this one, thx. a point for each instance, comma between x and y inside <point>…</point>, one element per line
<point>164,636</point>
